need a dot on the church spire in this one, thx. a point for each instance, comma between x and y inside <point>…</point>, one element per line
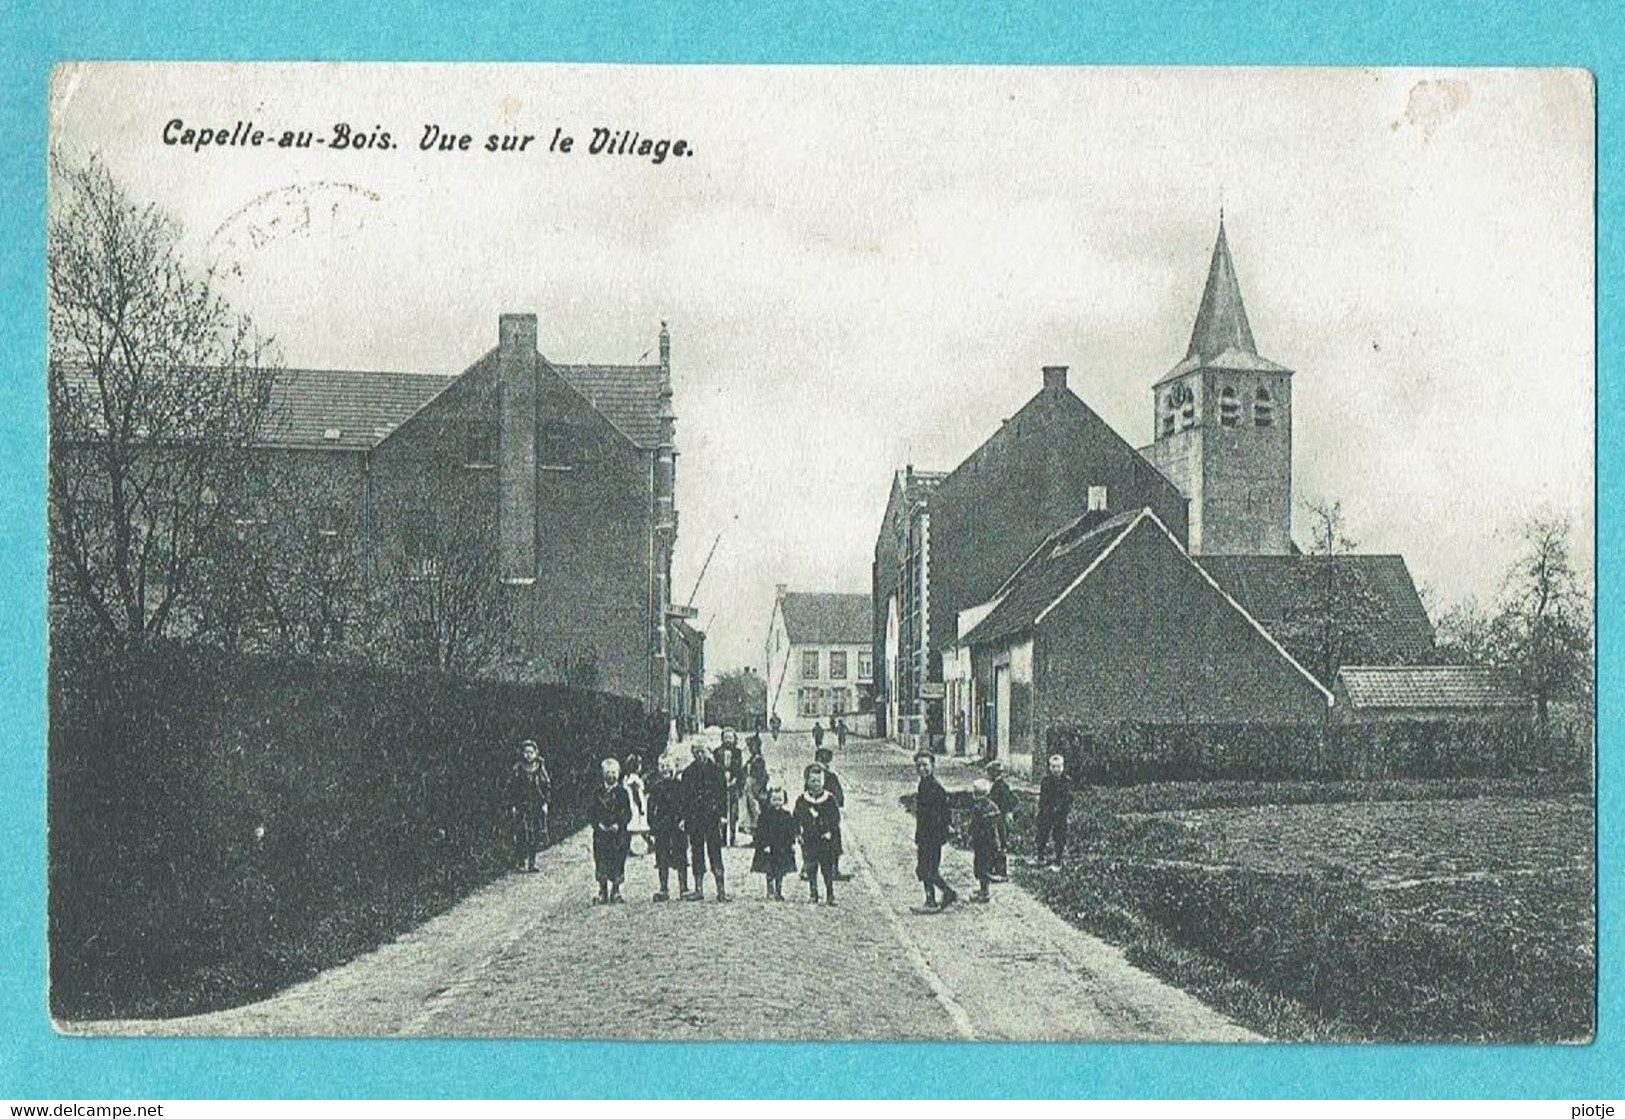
<point>1221,321</point>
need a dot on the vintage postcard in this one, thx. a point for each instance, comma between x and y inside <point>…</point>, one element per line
<point>831,553</point>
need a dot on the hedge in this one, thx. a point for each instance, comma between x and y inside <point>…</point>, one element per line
<point>1131,753</point>
<point>222,826</point>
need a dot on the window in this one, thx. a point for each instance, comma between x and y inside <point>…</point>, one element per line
<point>809,664</point>
<point>1097,499</point>
<point>866,666</point>
<point>480,446</point>
<point>1263,408</point>
<point>810,702</point>
<point>1229,407</point>
<point>840,701</point>
<point>837,666</point>
<point>1180,410</point>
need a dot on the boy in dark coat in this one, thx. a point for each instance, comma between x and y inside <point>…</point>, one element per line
<point>611,813</point>
<point>933,819</point>
<point>705,810</point>
<point>818,735</point>
<point>986,836</point>
<point>818,819</point>
<point>832,782</point>
<point>1054,805</point>
<point>665,799</point>
<point>775,844</point>
<point>526,793</point>
<point>1005,798</point>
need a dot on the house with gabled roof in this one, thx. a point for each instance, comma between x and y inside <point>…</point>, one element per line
<point>819,658</point>
<point>515,519</point>
<point>1109,621</point>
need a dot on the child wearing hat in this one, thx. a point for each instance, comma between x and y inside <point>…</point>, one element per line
<point>665,797</point>
<point>775,843</point>
<point>1002,795</point>
<point>986,841</point>
<point>526,793</point>
<point>611,812</point>
<point>818,819</point>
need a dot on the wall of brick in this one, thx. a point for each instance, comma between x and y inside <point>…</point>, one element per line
<point>1029,479</point>
<point>1147,639</point>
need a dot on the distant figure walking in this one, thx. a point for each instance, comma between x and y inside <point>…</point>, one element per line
<point>818,819</point>
<point>933,819</point>
<point>526,793</point>
<point>774,724</point>
<point>818,735</point>
<point>840,734</point>
<point>611,811</point>
<point>775,844</point>
<point>705,814</point>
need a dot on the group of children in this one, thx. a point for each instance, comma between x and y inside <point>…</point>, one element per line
<point>992,809</point>
<point>685,818</point>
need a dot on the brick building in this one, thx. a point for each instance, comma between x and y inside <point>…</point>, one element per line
<point>1217,483</point>
<point>515,519</point>
<point>819,655</point>
<point>1111,621</point>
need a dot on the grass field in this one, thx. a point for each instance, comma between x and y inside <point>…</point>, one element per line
<point>1433,911</point>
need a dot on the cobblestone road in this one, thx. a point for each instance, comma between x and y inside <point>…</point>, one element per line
<point>530,956</point>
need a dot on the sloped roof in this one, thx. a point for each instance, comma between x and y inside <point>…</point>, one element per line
<point>1274,589</point>
<point>309,406</point>
<point>1047,574</point>
<point>1431,685</point>
<point>827,619</point>
<point>352,410</point>
<point>627,395</point>
<point>1222,338</point>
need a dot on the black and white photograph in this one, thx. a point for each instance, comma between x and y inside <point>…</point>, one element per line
<point>829,553</point>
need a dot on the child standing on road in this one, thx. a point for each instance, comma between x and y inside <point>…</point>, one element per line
<point>611,811</point>
<point>637,832</point>
<point>1054,805</point>
<point>775,843</point>
<point>526,793</point>
<point>818,819</point>
<point>1002,795</point>
<point>933,819</point>
<point>987,844</point>
<point>666,829</point>
<point>832,782</point>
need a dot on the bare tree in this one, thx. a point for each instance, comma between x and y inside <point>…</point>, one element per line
<point>1463,634</point>
<point>438,596</point>
<point>1338,613</point>
<point>1544,629</point>
<point>157,391</point>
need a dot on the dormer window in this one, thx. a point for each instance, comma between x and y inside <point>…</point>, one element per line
<point>1229,407</point>
<point>1263,408</point>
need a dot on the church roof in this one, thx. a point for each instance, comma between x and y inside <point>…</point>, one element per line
<point>827,619</point>
<point>1275,590</point>
<point>1222,338</point>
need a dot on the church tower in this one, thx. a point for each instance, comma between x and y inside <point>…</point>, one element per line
<point>1224,427</point>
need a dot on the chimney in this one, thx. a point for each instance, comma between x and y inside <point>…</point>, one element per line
<point>516,447</point>
<point>779,589</point>
<point>1055,376</point>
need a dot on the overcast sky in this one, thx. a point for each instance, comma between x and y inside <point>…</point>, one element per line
<point>867,267</point>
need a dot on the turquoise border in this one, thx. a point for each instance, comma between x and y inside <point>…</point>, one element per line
<point>34,1062</point>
